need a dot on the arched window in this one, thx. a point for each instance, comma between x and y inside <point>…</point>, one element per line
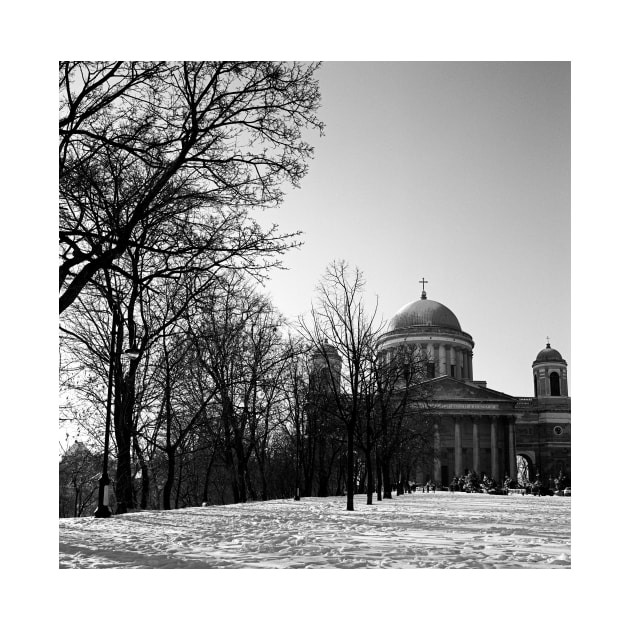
<point>554,382</point>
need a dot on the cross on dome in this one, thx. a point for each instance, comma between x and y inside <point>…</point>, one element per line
<point>423,282</point>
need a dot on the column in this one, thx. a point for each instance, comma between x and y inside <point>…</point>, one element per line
<point>459,470</point>
<point>494,451</point>
<point>460,364</point>
<point>511,449</point>
<point>442,359</point>
<point>475,441</point>
<point>453,361</point>
<point>565,382</point>
<point>470,369</point>
<point>466,373</point>
<point>437,459</point>
<point>547,382</point>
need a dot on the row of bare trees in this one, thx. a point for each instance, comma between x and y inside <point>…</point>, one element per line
<point>379,397</point>
<point>229,403</point>
<point>162,166</point>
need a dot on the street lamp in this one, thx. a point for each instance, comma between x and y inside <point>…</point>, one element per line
<point>103,511</point>
<point>133,353</point>
<point>297,462</point>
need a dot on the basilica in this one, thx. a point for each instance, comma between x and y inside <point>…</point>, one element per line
<point>477,428</point>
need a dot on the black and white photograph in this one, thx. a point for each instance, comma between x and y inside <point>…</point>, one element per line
<point>332,308</point>
<point>293,291</point>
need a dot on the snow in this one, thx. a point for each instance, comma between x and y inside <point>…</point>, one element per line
<point>441,530</point>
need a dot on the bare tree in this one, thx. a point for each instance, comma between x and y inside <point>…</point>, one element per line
<point>342,331</point>
<point>238,341</point>
<point>145,142</point>
<point>182,406</point>
<point>149,290</point>
<point>399,400</point>
<point>159,166</point>
<point>79,471</point>
<point>315,435</point>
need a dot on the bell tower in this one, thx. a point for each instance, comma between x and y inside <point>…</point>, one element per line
<point>326,367</point>
<point>550,374</point>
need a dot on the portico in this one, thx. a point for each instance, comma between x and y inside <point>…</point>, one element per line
<point>471,434</point>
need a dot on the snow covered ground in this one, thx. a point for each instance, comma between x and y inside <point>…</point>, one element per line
<point>441,530</point>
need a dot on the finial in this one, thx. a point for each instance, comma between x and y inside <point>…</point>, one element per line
<point>548,344</point>
<point>424,293</point>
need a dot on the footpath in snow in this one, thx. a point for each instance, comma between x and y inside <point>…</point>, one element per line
<point>441,530</point>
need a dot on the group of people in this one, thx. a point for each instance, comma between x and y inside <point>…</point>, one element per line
<point>470,481</point>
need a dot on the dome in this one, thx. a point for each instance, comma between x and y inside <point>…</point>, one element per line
<point>424,312</point>
<point>548,354</point>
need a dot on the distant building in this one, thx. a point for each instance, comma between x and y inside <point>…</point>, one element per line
<point>478,428</point>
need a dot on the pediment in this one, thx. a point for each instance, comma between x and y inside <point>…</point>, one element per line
<point>448,388</point>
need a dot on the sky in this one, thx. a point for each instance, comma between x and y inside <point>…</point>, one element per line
<point>456,172</point>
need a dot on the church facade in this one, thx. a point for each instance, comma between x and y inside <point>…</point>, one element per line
<point>477,428</point>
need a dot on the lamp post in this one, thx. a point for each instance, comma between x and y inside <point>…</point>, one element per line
<point>297,461</point>
<point>132,353</point>
<point>103,511</point>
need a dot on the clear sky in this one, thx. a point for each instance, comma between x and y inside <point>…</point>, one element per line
<point>458,172</point>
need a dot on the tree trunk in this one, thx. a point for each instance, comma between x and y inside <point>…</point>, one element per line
<point>179,482</point>
<point>170,450</point>
<point>144,492</point>
<point>170,479</point>
<point>400,489</point>
<point>206,483</point>
<point>324,469</point>
<point>350,470</point>
<point>124,492</point>
<point>251,492</point>
<point>236,497</point>
<point>242,483</point>
<point>123,427</point>
<point>379,480</point>
<point>387,482</point>
<point>370,481</point>
<point>322,484</point>
<point>368,465</point>
<point>226,416</point>
<point>307,476</point>
<point>265,495</point>
<point>361,484</point>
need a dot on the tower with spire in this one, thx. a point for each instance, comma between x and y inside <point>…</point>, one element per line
<point>550,373</point>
